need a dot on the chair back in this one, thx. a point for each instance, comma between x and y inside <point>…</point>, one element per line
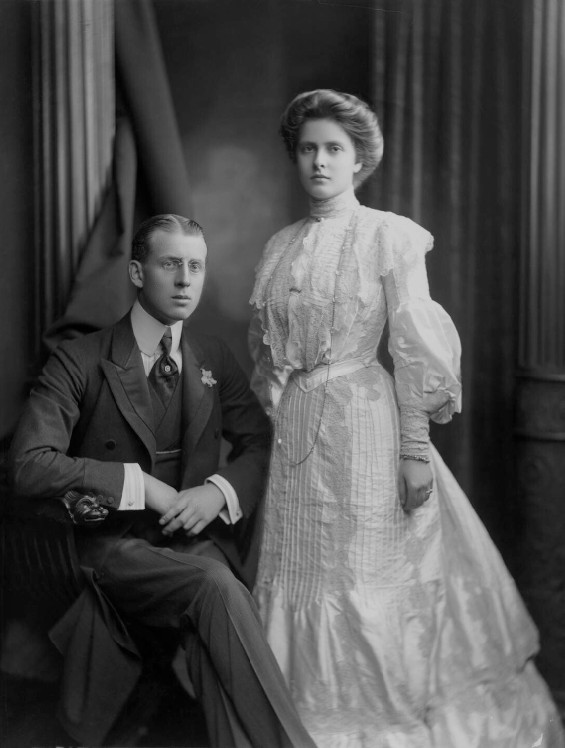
<point>39,557</point>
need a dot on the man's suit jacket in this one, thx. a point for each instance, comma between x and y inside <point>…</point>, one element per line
<point>91,412</point>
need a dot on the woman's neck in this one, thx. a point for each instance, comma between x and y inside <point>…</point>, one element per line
<point>334,206</point>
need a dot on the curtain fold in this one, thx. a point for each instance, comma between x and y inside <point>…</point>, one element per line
<point>446,82</point>
<point>101,291</point>
<point>148,152</point>
<point>145,87</point>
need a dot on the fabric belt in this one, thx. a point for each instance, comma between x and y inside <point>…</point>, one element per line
<point>309,380</point>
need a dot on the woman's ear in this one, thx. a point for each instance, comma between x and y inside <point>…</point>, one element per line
<point>357,168</point>
<point>136,273</point>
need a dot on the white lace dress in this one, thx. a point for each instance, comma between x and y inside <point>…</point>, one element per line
<point>392,630</point>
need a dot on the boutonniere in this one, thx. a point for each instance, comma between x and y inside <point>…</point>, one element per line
<point>207,378</point>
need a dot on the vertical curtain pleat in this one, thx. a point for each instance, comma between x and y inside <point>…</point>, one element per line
<point>62,197</point>
<point>74,134</point>
<point>94,137</point>
<point>466,233</point>
<point>397,118</point>
<point>530,279</point>
<point>542,335</point>
<point>445,84</point>
<point>416,122</point>
<point>558,337</point>
<point>550,176</point>
<point>74,42</point>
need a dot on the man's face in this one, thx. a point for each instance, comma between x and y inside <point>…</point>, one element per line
<point>171,278</point>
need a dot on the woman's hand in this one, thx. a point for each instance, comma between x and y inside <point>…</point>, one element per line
<point>415,481</point>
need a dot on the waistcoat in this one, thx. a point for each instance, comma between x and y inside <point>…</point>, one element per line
<point>168,427</point>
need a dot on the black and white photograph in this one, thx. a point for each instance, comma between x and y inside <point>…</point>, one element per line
<point>282,395</point>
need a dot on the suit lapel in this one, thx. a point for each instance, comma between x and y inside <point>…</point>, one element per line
<point>198,398</point>
<point>126,377</point>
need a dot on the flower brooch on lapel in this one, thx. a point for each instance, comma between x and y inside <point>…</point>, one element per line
<point>207,378</point>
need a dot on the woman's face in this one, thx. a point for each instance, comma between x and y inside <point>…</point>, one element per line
<point>326,159</point>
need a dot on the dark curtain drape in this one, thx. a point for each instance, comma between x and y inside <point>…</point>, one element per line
<point>446,84</point>
<point>148,158</point>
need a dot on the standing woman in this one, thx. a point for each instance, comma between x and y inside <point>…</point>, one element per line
<point>387,605</point>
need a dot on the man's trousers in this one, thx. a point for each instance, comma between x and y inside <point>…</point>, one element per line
<point>190,588</point>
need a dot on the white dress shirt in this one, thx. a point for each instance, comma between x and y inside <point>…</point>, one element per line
<point>148,333</point>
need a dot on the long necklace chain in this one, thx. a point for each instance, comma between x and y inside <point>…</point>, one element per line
<point>342,252</point>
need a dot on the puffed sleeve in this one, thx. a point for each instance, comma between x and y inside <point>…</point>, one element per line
<point>423,343</point>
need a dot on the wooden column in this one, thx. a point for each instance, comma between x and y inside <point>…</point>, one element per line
<point>74,122</point>
<point>540,418</point>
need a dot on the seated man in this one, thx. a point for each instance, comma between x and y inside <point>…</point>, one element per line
<point>134,414</point>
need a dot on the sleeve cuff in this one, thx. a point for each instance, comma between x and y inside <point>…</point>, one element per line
<point>133,493</point>
<point>232,513</point>
<point>414,433</point>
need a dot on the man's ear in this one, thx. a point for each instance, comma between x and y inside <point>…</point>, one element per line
<point>136,273</point>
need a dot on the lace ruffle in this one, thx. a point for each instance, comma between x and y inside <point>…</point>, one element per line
<point>305,256</point>
<point>414,433</point>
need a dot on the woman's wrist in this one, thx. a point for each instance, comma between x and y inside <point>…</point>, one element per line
<point>417,458</point>
<point>414,435</point>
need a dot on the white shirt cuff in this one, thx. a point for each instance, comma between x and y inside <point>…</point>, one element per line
<point>133,493</point>
<point>232,512</point>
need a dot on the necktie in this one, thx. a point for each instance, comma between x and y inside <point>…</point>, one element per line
<point>164,374</point>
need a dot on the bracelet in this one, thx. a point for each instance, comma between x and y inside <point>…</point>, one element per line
<point>418,458</point>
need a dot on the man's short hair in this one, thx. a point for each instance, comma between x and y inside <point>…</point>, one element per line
<point>169,222</point>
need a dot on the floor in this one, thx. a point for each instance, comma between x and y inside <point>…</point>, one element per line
<point>160,716</point>
<point>27,718</point>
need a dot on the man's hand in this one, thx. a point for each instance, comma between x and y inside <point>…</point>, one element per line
<point>194,509</point>
<point>158,495</point>
<point>415,481</point>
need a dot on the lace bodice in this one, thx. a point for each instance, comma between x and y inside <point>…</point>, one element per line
<point>377,273</point>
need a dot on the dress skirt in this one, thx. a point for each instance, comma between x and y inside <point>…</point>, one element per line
<point>393,630</point>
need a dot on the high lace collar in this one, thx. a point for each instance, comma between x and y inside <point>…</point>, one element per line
<point>334,206</point>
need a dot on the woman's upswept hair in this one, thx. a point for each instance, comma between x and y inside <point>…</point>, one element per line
<point>354,115</point>
<point>168,222</point>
